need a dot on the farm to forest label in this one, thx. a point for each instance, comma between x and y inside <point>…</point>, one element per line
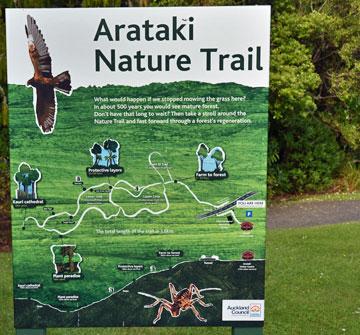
<point>138,164</point>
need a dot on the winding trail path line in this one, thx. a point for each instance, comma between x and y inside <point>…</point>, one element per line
<point>134,192</point>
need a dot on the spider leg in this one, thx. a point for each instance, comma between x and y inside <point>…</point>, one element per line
<point>193,289</point>
<point>158,317</point>
<point>172,291</point>
<point>156,302</point>
<point>204,304</point>
<point>164,304</point>
<point>197,314</point>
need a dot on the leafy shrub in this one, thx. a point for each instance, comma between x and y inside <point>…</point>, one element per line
<point>309,156</point>
<point>4,143</point>
<point>349,180</point>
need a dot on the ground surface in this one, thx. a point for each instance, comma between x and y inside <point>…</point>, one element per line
<point>304,214</point>
<point>312,286</point>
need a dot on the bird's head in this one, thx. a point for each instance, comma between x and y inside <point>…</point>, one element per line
<point>30,82</point>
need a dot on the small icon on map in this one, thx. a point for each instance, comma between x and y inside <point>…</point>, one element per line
<point>78,181</point>
<point>230,219</point>
<point>26,179</point>
<point>210,163</point>
<point>105,159</point>
<point>246,226</point>
<point>249,214</point>
<point>66,262</point>
<point>247,255</point>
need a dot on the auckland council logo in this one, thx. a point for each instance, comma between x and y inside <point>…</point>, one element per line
<point>255,310</point>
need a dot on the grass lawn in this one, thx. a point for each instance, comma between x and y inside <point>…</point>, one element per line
<point>313,286</point>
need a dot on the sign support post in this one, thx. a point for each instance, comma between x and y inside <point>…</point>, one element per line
<point>247,331</point>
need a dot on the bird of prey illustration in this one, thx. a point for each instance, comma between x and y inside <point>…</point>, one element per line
<point>43,82</point>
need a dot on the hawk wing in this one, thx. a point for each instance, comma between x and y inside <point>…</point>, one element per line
<point>42,61</point>
<point>45,107</point>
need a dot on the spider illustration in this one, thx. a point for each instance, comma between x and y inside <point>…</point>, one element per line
<point>180,301</point>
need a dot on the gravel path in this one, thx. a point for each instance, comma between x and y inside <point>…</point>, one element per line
<point>305,214</point>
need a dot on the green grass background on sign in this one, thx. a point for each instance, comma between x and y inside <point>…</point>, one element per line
<point>65,154</point>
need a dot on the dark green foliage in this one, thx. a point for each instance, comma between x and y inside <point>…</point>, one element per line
<point>314,92</point>
<point>4,191</point>
<point>101,3</point>
<point>4,140</point>
<point>308,158</point>
<point>176,3</point>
